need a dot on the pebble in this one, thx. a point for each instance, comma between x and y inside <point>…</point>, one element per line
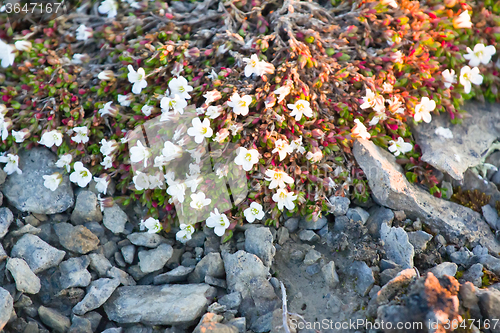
<point>26,280</point>
<point>474,274</point>
<point>6,307</point>
<point>358,214</point>
<point>446,268</point>
<point>38,254</point>
<point>99,264</point>
<point>6,218</point>
<point>87,209</point>
<point>259,241</point>
<point>308,236</point>
<point>99,292</point>
<point>115,219</point>
<point>178,274</point>
<point>54,319</point>
<point>397,246</point>
<point>292,224</point>
<point>146,239</point>
<point>311,257</point>
<point>153,260</point>
<point>231,301</point>
<point>330,274</point>
<point>74,272</point>
<point>76,238</point>
<point>419,240</point>
<point>212,264</point>
<point>340,205</point>
<point>491,216</point>
<point>128,253</point>
<point>313,225</point>
<point>363,275</point>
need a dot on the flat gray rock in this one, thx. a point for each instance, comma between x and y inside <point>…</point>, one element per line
<point>397,247</point>
<point>153,260</point>
<point>178,274</point>
<point>6,218</point>
<point>6,307</point>
<point>38,254</point>
<point>76,238</point>
<point>146,239</point>
<point>446,268</point>
<point>98,293</point>
<point>3,254</point>
<point>25,191</point>
<point>479,129</point>
<point>74,272</point>
<point>211,264</point>
<point>87,208</point>
<point>312,225</point>
<point>26,280</point>
<point>259,241</point>
<point>419,240</point>
<point>115,219</point>
<point>54,319</point>
<point>339,204</point>
<point>330,274</point>
<point>363,276</point>
<point>159,305</point>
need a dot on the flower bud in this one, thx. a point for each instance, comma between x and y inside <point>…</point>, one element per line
<point>23,45</point>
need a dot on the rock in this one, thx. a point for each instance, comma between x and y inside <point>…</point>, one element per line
<point>3,254</point>
<point>27,229</point>
<point>231,301</point>
<point>308,236</point>
<point>488,303</point>
<point>74,272</point>
<point>259,241</point>
<point>80,325</point>
<point>292,224</point>
<point>123,277</point>
<point>474,274</point>
<point>128,253</point>
<point>313,269</point>
<point>6,307</point>
<point>98,293</point>
<point>311,225</point>
<point>340,205</point>
<point>388,264</point>
<point>491,216</point>
<point>397,246</point>
<point>330,275</point>
<point>491,263</point>
<point>378,216</point>
<point>311,257</point>
<point>76,238</point>
<point>496,178</point>
<point>396,285</point>
<point>3,176</point>
<point>363,276</point>
<point>470,139</point>
<point>462,257</point>
<point>178,274</point>
<point>115,219</point>
<point>390,188</point>
<point>159,305</point>
<point>26,280</point>
<point>6,218</point>
<point>282,235</point>
<point>211,323</point>
<point>54,319</point>
<point>87,209</point>
<point>114,330</point>
<point>38,254</point>
<point>153,260</point>
<point>211,264</point>
<point>446,268</point>
<point>23,191</point>
<point>99,264</point>
<point>246,274</point>
<point>358,214</point>
<point>240,323</point>
<point>419,240</point>
<point>146,239</point>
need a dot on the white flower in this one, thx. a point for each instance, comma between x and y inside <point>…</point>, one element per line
<point>282,148</point>
<point>395,105</point>
<point>449,78</point>
<point>481,54</point>
<point>152,224</point>
<point>247,158</point>
<point>81,134</point>
<point>200,129</point>
<point>235,128</point>
<point>107,162</point>
<point>199,201</point>
<point>284,198</point>
<point>197,153</point>
<point>391,3</point>
<point>359,130</point>
<point>83,33</point>
<point>213,75</point>
<point>81,175</point>
<point>194,169</point>
<point>140,153</point>
<point>377,117</point>
<point>444,132</point>
<point>299,108</point>
<point>221,135</point>
<point>109,7</point>
<point>52,181</point>
<point>101,184</point>
<point>19,136</point>
<point>193,181</point>
<point>397,57</point>
<point>239,104</point>
<point>314,157</point>
<point>400,147</point>
<point>423,110</point>
<point>171,151</point>
<point>146,109</point>
<point>213,111</point>
<point>106,75</point>
<point>167,115</point>
<point>369,100</point>
<point>125,100</point>
<point>278,178</point>
<point>12,164</point>
<point>180,87</point>
<point>257,67</point>
<point>155,181</point>
<point>64,161</point>
<point>185,232</point>
<point>212,96</point>
<point>23,45</point>
<point>107,109</point>
<point>296,145</point>
<point>51,138</point>
<point>141,181</point>
<point>462,21</point>
<point>218,221</point>
<point>137,78</point>
<point>177,103</point>
<point>107,147</point>
<point>7,54</point>
<point>468,76</point>
<point>254,212</point>
<point>79,58</point>
<point>222,171</point>
<point>176,190</point>
<point>282,92</point>
<point>387,88</point>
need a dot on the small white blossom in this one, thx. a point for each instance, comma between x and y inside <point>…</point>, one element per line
<point>176,103</point>
<point>106,75</point>
<point>152,224</point>
<point>212,96</point>
<point>462,21</point>
<point>7,54</point>
<point>185,232</point>
<point>470,76</point>
<point>23,45</point>
<point>83,32</point>
<point>282,91</point>
<point>387,88</point>
<point>213,75</point>
<point>81,134</point>
<point>254,212</point>
<point>79,58</point>
<point>247,158</point>
<point>81,175</point>
<point>284,199</point>
<point>278,178</point>
<point>64,162</point>
<point>395,105</point>
<point>480,55</point>
<point>400,147</point>
<point>155,181</point>
<point>213,111</point>
<point>51,138</point>
<point>235,128</point>
<point>107,162</point>
<point>109,7</point>
<point>101,184</point>
<point>179,86</point>
<point>299,108</point>
<point>218,221</point>
<point>314,157</point>
<point>359,130</point>
<point>239,104</point>
<point>200,130</point>
<point>423,110</point>
<point>146,109</point>
<point>198,201</point>
<point>369,100</point>
<point>140,153</point>
<point>449,78</point>
<point>138,79</point>
<point>19,136</point>
<point>107,109</point>
<point>108,147</point>
<point>221,135</point>
<point>193,181</point>
<point>52,181</point>
<point>397,57</point>
<point>141,181</point>
<point>282,148</point>
<point>257,67</point>
<point>296,145</point>
<point>125,100</point>
<point>177,190</point>
<point>391,3</point>
<point>171,151</point>
<point>12,164</point>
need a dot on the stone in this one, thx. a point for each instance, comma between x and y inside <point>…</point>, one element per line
<point>308,236</point>
<point>292,224</point>
<point>491,216</point>
<point>461,257</point>
<point>128,253</point>
<point>113,330</point>
<point>159,305</point>
<point>396,246</point>
<point>390,188</point>
<point>378,216</point>
<point>363,277</point>
<point>215,282</point>
<point>6,307</point>
<point>312,257</point>
<point>240,323</point>
<point>231,301</point>
<point>341,223</point>
<point>358,214</point>
<point>388,264</point>
<point>115,219</point>
<point>23,191</point>
<point>488,303</point>
<point>26,280</point>
<point>282,235</point>
<point>54,319</point>
<point>446,268</point>
<point>38,254</point>
<point>496,178</point>
<point>330,275</point>
<point>259,241</point>
<point>313,225</point>
<point>122,276</point>
<point>313,269</point>
<point>211,323</point>
<point>87,209</point>
<point>340,205</point>
<point>6,218</point>
<point>3,176</point>
<point>76,238</point>
<point>155,259</point>
<point>490,262</point>
<point>99,264</point>
<point>98,293</point>
<point>74,272</point>
<point>474,275</point>
<point>389,274</point>
<point>419,240</point>
<point>80,325</point>
<point>197,239</point>
<point>211,264</point>
<point>27,229</point>
<point>3,254</point>
<point>146,239</point>
<point>178,274</point>
<point>396,285</point>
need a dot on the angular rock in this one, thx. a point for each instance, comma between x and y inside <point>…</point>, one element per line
<point>396,245</point>
<point>87,209</point>
<point>26,280</point>
<point>231,301</point>
<point>54,319</point>
<point>379,216</point>
<point>211,323</point>
<point>128,253</point>
<point>308,236</point>
<point>153,260</point>
<point>98,293</point>
<point>211,264</point>
<point>178,274</point>
<point>146,239</point>
<point>6,307</point>
<point>259,241</point>
<point>6,218</point>
<point>340,205</point>
<point>358,214</point>
<point>292,224</point>
<point>80,325</point>
<point>122,276</point>
<point>419,240</point>
<point>23,191</point>
<point>491,263</point>
<point>313,225</point>
<point>76,238</point>
<point>363,276</point>
<point>491,216</point>
<point>38,255</point>
<point>474,275</point>
<point>115,219</point>
<point>396,285</point>
<point>311,257</point>
<point>282,235</point>
<point>3,254</point>
<point>330,274</point>
<point>488,303</point>
<point>74,272</point>
<point>390,188</point>
<point>159,305</point>
<point>99,264</point>
<point>446,268</point>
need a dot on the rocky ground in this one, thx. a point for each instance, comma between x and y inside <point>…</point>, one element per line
<point>405,256</point>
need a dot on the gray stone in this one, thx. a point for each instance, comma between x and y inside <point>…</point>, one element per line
<point>262,324</point>
<point>155,259</point>
<point>115,219</point>
<point>388,264</point>
<point>80,325</point>
<point>491,216</point>
<point>215,282</point>
<point>24,191</point>
<point>390,188</point>
<point>282,235</point>
<point>98,293</point>
<point>178,274</point>
<point>128,253</point>
<point>6,218</point>
<point>74,272</point>
<point>146,239</point>
<point>490,262</point>
<point>38,254</point>
<point>461,257</point>
<point>6,307</point>
<point>308,236</point>
<point>474,274</point>
<point>259,241</point>
<point>313,269</point>
<point>330,274</point>
<point>341,223</point>
<point>313,225</point>
<point>26,280</point>
<point>488,303</point>
<point>231,301</point>
<point>136,272</point>
<point>496,178</point>
<point>340,205</point>
<point>419,240</point>
<point>363,277</point>
<point>113,330</point>
<point>27,229</point>
<point>396,245</point>
<point>358,214</point>
<point>211,264</point>
<point>87,209</point>
<point>99,264</point>
<point>76,238</point>
<point>197,239</point>
<point>159,305</point>
<point>395,285</point>
<point>378,216</point>
<point>446,268</point>
<point>292,224</point>
<point>240,323</point>
<point>3,254</point>
<point>311,257</point>
<point>3,176</point>
<point>122,276</point>
<point>389,274</point>
<point>54,319</point>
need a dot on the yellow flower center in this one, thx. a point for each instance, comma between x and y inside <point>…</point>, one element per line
<point>277,176</point>
<point>84,173</point>
<point>242,103</point>
<point>203,130</point>
<point>255,211</point>
<point>182,89</point>
<point>282,195</point>
<point>248,157</point>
